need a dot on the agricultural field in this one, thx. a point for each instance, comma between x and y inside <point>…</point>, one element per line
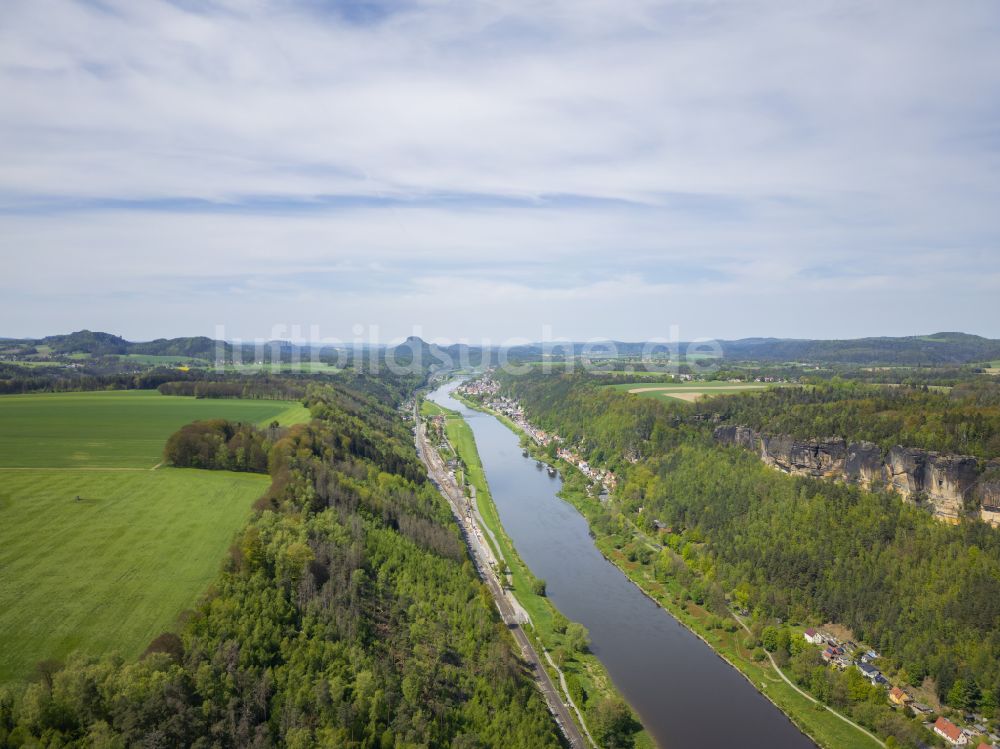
<point>309,367</point>
<point>162,360</point>
<point>114,429</point>
<point>100,549</point>
<point>686,391</point>
<point>113,570</point>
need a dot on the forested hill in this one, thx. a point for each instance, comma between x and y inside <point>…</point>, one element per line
<point>963,420</point>
<point>106,344</point>
<point>935,349</point>
<point>923,593</point>
<point>939,348</point>
<point>347,615</point>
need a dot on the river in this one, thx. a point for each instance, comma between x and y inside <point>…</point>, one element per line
<point>685,694</point>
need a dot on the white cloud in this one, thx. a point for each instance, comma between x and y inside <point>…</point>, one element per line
<point>750,141</point>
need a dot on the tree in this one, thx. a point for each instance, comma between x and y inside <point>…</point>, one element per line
<point>577,637</point>
<point>964,694</point>
<point>612,723</point>
<point>769,639</point>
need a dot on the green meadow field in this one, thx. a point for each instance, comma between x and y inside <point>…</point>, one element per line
<point>686,391</point>
<point>163,360</point>
<point>114,429</point>
<point>112,570</point>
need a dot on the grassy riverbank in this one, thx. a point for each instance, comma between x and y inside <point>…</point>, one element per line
<point>586,677</point>
<point>815,720</point>
<point>824,727</point>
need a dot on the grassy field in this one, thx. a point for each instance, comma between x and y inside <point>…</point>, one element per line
<point>686,391</point>
<point>114,429</point>
<point>155,359</point>
<point>311,367</point>
<point>584,669</point>
<point>113,570</point>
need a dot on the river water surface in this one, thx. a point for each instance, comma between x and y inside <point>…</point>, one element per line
<point>683,692</point>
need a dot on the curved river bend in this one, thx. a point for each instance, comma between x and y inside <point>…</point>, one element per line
<point>684,693</point>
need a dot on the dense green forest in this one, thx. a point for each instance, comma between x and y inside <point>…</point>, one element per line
<point>220,445</point>
<point>347,615</point>
<point>963,420</point>
<point>939,348</point>
<point>924,593</point>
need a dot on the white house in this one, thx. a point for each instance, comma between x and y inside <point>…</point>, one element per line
<point>813,636</point>
<point>950,732</point>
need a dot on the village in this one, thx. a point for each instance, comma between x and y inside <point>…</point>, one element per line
<point>844,655</point>
<point>487,390</point>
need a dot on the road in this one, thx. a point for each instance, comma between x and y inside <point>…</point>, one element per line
<point>512,615</point>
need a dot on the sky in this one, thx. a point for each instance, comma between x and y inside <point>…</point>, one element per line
<point>499,170</point>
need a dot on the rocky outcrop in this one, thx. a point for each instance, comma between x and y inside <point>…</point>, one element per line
<point>951,486</point>
<point>987,494</point>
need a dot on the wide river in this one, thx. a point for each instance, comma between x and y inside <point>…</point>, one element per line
<point>684,693</point>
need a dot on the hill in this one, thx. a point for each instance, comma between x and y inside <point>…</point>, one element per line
<point>945,348</point>
<point>938,348</point>
<point>85,342</point>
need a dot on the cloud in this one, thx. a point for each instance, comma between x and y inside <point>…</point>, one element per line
<point>566,156</point>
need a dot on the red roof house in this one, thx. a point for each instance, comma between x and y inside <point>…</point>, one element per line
<point>950,732</point>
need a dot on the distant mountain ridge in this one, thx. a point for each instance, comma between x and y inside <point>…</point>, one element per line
<point>107,344</point>
<point>938,348</point>
<point>935,349</point>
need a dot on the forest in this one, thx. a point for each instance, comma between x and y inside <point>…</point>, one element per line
<point>221,445</point>
<point>964,419</point>
<point>347,614</point>
<point>925,594</point>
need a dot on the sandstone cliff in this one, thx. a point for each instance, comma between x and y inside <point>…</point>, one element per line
<point>952,486</point>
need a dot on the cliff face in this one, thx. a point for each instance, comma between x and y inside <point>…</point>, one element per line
<point>988,494</point>
<point>952,486</point>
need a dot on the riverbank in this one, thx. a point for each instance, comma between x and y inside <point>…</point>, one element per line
<point>825,727</point>
<point>585,676</point>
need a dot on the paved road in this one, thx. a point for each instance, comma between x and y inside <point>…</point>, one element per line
<point>482,555</point>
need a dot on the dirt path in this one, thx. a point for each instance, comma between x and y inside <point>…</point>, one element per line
<point>809,697</point>
<point>70,468</point>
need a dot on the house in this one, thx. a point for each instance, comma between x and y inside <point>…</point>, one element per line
<point>870,672</point>
<point>813,636</point>
<point>842,662</point>
<point>899,697</point>
<point>830,653</point>
<point>984,745</point>
<point>950,732</point>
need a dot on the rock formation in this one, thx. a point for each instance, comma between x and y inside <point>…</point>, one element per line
<point>952,486</point>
